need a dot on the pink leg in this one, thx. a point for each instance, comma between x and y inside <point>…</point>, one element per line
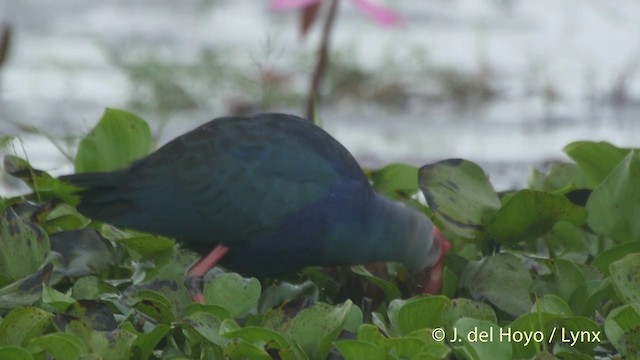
<point>193,279</point>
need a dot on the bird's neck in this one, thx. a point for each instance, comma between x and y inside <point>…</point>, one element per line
<point>385,230</point>
<point>402,233</point>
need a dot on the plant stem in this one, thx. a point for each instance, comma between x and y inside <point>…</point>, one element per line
<point>323,58</point>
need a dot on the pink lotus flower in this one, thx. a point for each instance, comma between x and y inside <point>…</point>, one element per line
<point>381,15</point>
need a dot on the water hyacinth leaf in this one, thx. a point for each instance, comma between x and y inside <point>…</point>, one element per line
<point>568,276</point>
<point>314,329</point>
<point>218,311</point>
<point>613,206</point>
<point>145,343</point>
<point>43,185</point>
<point>145,247</point>
<point>552,304</point>
<point>206,325</point>
<point>278,293</point>
<point>241,349</point>
<point>625,274</point>
<point>114,344</point>
<point>369,333</point>
<point>61,346</point>
<point>162,300</point>
<point>476,344</point>
<point>589,296</point>
<point>561,177</point>
<point>25,246</point>
<point>233,292</point>
<point>94,314</point>
<point>55,298</point>
<point>83,252</point>
<point>529,214</point>
<point>396,178</point>
<point>581,332</point>
<point>595,159</point>
<point>613,254</point>
<point>356,349</point>
<point>117,140</point>
<point>22,324</point>
<point>391,291</point>
<point>458,308</point>
<point>535,323</point>
<point>14,353</point>
<point>405,347</point>
<point>25,291</point>
<point>91,288</point>
<point>253,334</point>
<point>503,280</point>
<point>622,326</point>
<point>410,315</point>
<point>460,195</point>
<point>251,341</point>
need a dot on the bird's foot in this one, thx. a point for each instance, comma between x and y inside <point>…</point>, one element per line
<point>193,279</point>
<point>194,286</point>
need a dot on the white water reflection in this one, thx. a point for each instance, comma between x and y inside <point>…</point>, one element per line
<point>561,70</point>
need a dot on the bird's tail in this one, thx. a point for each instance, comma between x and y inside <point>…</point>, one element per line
<point>96,189</point>
<point>91,180</point>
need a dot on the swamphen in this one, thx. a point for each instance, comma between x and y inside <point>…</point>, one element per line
<point>269,194</point>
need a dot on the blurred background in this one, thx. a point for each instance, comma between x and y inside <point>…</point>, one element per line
<point>505,83</point>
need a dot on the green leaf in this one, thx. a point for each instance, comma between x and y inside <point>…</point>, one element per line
<point>356,350</point>
<point>460,196</point>
<point>117,140</point>
<point>25,246</point>
<point>241,350</point>
<point>317,327</point>
<point>568,276</point>
<point>276,294</point>
<point>580,333</point>
<point>91,287</point>
<point>503,280</point>
<point>44,186</point>
<point>233,292</point>
<point>112,344</point>
<point>478,340</point>
<point>561,177</point>
<point>622,326</point>
<point>537,326</point>
<point>530,214</point>
<point>458,308</point>
<point>253,334</point>
<point>613,206</point>
<point>409,315</point>
<point>145,343</point>
<point>146,247</point>
<point>552,304</point>
<point>26,290</point>
<point>61,346</point>
<point>590,295</point>
<point>14,353</point>
<point>613,254</point>
<point>595,159</point>
<point>396,177</point>
<point>56,299</point>
<point>22,324</point>
<point>206,325</point>
<point>626,278</point>
<point>391,291</point>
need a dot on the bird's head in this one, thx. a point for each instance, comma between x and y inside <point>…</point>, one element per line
<point>430,278</point>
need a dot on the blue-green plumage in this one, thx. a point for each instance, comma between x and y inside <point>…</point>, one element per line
<point>275,189</point>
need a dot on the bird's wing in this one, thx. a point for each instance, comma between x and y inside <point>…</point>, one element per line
<point>227,180</point>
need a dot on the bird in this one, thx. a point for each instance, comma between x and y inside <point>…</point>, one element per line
<point>262,195</point>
